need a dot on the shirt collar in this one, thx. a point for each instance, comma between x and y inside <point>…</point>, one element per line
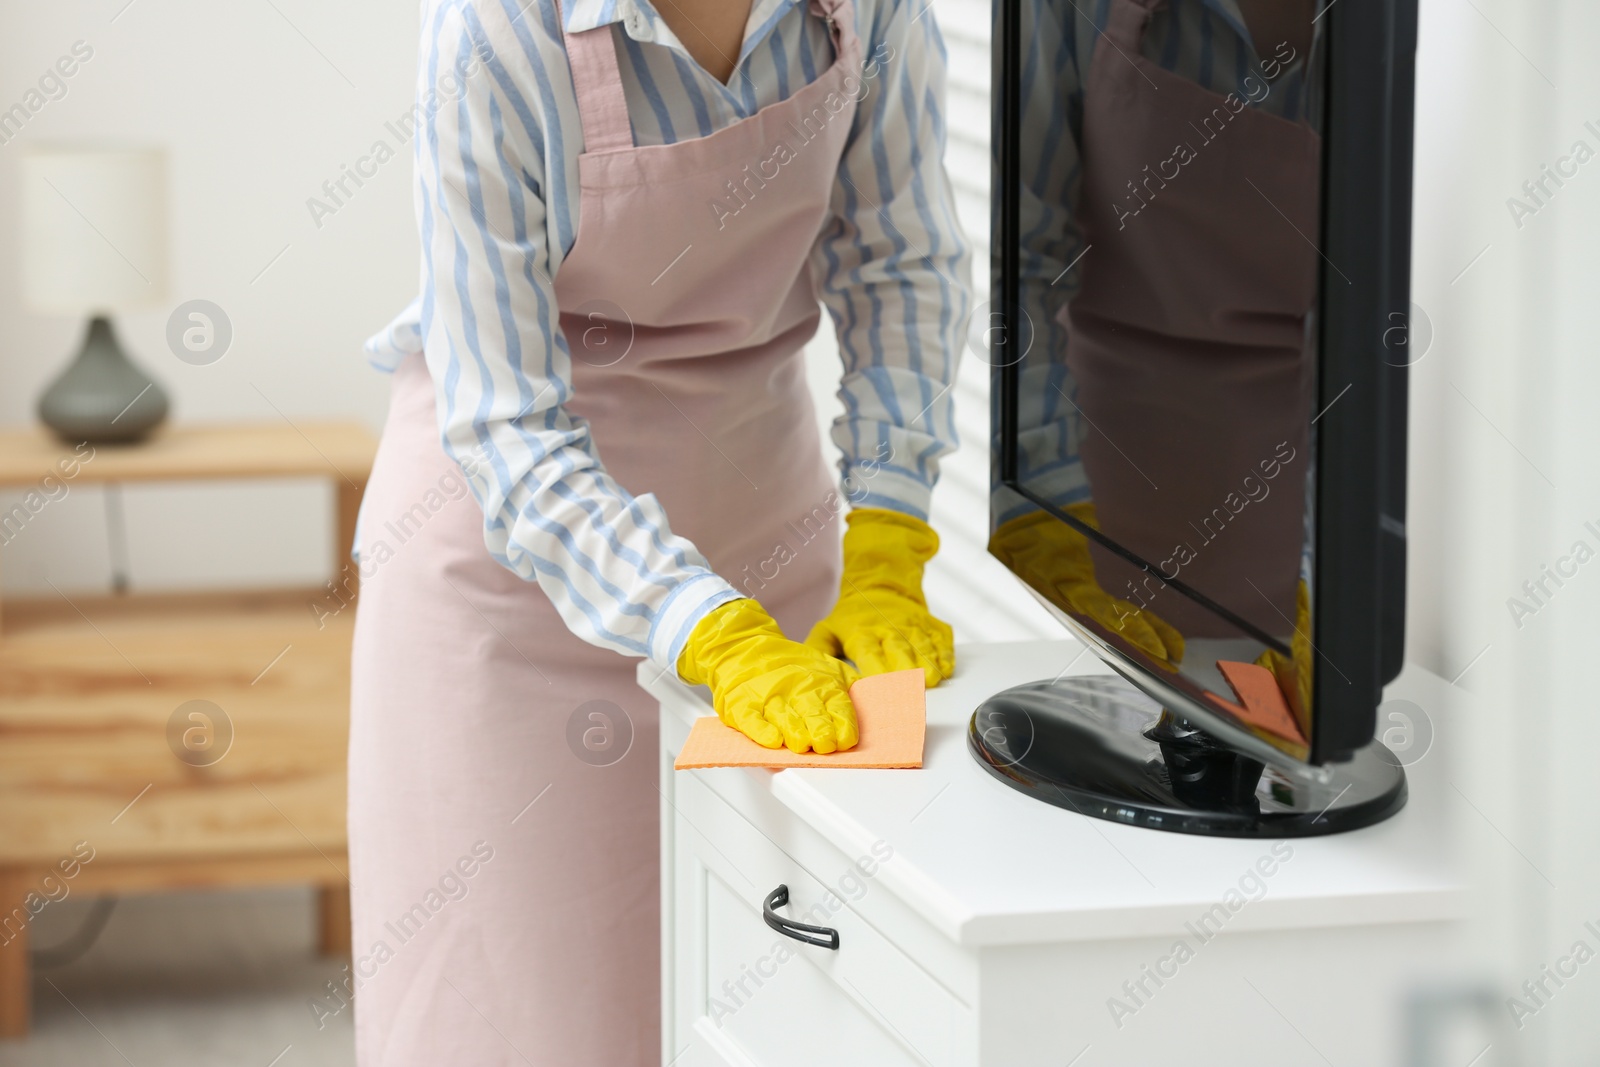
<point>588,14</point>
<point>636,17</point>
<point>764,15</point>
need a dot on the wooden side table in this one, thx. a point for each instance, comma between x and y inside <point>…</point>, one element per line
<point>99,755</point>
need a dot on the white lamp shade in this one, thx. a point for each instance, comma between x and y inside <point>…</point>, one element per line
<point>94,228</point>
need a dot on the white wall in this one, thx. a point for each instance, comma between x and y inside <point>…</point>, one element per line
<point>255,120</point>
<point>1504,479</point>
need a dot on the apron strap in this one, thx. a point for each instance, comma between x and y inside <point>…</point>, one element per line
<point>602,107</point>
<point>1126,24</point>
<point>841,18</point>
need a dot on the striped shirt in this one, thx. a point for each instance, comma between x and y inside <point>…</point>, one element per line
<point>498,154</point>
<point>1205,41</point>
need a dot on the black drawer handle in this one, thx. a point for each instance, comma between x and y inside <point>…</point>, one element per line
<point>821,936</point>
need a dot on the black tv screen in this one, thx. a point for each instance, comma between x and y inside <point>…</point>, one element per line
<point>1199,339</point>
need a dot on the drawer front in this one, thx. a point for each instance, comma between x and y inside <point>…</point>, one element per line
<point>751,794</point>
<point>93,721</point>
<point>867,1002</point>
<point>799,1015</point>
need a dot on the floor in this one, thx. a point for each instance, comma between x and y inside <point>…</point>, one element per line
<point>187,980</point>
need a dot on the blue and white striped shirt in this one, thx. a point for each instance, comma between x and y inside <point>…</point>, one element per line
<point>498,155</point>
<point>1205,41</point>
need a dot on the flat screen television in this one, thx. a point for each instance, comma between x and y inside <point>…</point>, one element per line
<point>1199,339</point>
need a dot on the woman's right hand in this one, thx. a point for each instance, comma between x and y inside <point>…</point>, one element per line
<point>775,691</point>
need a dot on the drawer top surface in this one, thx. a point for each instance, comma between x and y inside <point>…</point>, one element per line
<point>986,865</point>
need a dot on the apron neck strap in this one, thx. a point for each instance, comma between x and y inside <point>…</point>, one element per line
<point>841,18</point>
<point>602,107</point>
<point>1126,24</point>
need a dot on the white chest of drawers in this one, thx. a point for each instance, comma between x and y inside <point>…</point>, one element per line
<point>980,927</point>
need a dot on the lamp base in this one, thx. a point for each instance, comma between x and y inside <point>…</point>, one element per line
<point>102,398</point>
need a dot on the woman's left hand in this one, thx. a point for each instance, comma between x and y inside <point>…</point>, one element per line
<point>881,622</point>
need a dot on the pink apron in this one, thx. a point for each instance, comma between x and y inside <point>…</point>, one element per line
<point>485,737</point>
<point>1188,338</point>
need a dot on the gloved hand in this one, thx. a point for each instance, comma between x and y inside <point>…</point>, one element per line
<point>881,622</point>
<point>773,690</point>
<point>1294,675</point>
<point>1050,555</point>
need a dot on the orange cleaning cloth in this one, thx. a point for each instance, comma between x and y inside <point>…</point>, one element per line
<point>891,717</point>
<point>1263,703</point>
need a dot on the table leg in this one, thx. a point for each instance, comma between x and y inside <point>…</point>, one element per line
<point>348,507</point>
<point>333,901</point>
<point>333,920</point>
<point>16,977</point>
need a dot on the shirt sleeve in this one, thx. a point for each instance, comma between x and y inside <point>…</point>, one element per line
<point>895,269</point>
<point>501,368</point>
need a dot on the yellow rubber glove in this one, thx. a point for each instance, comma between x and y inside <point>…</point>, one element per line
<point>773,690</point>
<point>1050,555</point>
<point>881,622</point>
<point>1294,675</point>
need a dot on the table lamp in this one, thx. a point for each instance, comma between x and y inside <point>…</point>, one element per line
<point>94,242</point>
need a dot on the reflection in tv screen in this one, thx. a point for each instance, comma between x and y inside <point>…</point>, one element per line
<point>1169,205</point>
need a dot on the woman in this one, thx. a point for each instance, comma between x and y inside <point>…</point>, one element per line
<point>627,218</point>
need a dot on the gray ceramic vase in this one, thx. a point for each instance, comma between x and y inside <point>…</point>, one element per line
<point>102,397</point>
